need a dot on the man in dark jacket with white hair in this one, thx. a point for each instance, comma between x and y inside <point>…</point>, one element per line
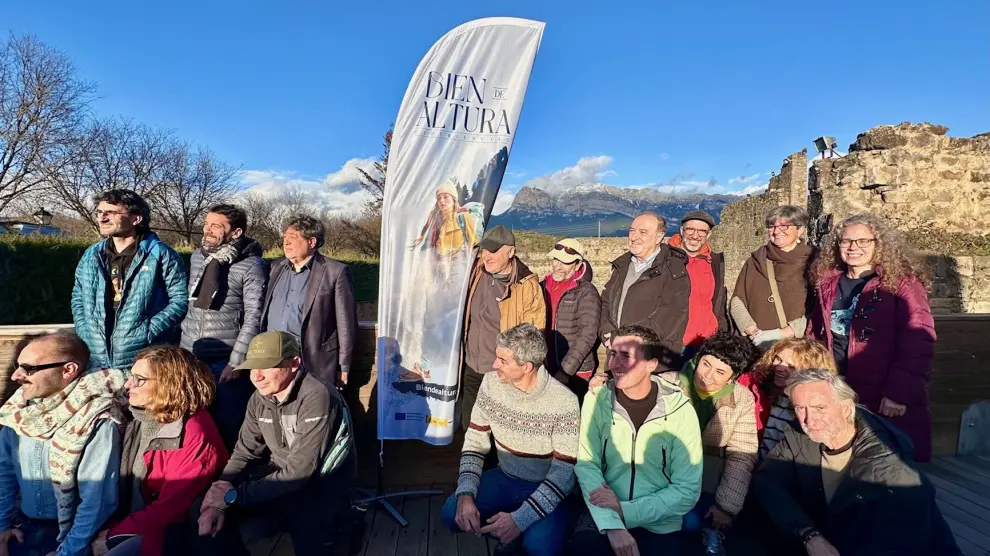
<point>848,484</point>
<point>227,281</point>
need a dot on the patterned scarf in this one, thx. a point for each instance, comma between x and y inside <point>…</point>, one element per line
<point>66,421</point>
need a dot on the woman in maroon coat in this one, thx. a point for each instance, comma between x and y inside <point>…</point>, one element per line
<point>872,311</point>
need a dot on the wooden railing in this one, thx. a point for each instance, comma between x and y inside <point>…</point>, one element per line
<point>960,376</point>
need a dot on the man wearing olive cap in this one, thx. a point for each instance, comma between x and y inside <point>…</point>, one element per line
<point>504,293</point>
<point>294,464</point>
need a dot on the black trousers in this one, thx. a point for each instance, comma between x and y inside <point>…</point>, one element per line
<point>315,517</point>
<point>471,383</point>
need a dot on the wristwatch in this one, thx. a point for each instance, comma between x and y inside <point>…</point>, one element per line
<point>231,497</point>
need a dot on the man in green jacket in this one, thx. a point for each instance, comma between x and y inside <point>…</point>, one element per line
<point>640,456</point>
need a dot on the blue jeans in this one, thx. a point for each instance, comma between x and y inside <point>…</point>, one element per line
<point>499,492</point>
<point>694,520</point>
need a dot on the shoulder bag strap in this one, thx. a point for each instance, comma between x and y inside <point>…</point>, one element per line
<point>775,295</point>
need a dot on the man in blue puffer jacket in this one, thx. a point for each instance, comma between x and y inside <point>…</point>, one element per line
<point>131,288</point>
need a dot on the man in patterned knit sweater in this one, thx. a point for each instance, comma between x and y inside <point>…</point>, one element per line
<point>534,421</point>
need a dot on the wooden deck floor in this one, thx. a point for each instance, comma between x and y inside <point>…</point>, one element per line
<point>424,536</point>
<point>963,495</point>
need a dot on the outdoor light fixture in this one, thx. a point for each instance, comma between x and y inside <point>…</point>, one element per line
<point>826,143</point>
<point>43,217</point>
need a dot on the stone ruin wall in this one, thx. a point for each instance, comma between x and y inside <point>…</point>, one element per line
<point>934,188</point>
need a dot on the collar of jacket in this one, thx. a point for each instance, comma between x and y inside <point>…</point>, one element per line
<point>831,281</point>
<point>688,370</point>
<point>169,436</point>
<point>287,264</point>
<point>665,255</point>
<point>670,398</point>
<point>677,242</point>
<point>293,390</point>
<point>147,242</point>
<point>520,273</point>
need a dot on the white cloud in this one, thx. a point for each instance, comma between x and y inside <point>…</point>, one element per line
<point>751,190</point>
<point>338,192</point>
<point>744,179</point>
<point>515,174</point>
<point>349,175</point>
<point>503,201</point>
<point>589,169</point>
<point>664,156</point>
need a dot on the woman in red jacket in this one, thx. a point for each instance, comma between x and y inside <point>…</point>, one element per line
<point>171,454</point>
<point>873,313</point>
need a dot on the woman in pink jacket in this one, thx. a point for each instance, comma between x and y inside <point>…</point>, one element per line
<point>172,451</point>
<point>872,311</point>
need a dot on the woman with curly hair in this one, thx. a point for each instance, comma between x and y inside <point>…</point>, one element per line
<point>727,417</point>
<point>872,312</point>
<point>171,453</point>
<point>769,377</point>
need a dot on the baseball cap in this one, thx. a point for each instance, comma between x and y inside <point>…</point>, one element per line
<point>699,215</point>
<point>268,349</point>
<point>567,251</point>
<point>497,238</point>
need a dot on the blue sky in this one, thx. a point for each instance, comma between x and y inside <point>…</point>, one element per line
<point>630,94</point>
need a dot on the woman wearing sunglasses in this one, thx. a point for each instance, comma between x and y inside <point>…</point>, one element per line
<point>172,452</point>
<point>872,312</point>
<point>771,295</point>
<point>573,315</point>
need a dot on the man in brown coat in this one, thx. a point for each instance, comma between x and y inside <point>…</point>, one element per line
<point>649,287</point>
<point>503,294</point>
<point>312,297</point>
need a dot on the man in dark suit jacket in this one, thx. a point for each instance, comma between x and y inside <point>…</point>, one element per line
<point>312,297</point>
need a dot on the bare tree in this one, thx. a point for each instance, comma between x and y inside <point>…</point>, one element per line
<point>110,154</point>
<point>375,184</point>
<point>191,182</point>
<point>264,220</point>
<point>42,105</point>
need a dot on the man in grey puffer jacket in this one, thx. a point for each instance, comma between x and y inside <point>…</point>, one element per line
<point>227,282</point>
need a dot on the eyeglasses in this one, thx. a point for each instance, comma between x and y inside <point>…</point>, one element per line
<point>695,231</point>
<point>781,227</point>
<point>862,242</point>
<point>566,249</point>
<point>140,380</point>
<point>101,213</point>
<point>31,369</point>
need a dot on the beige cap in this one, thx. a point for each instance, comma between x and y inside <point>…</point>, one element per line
<point>567,251</point>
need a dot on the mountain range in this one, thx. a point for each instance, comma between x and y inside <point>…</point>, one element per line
<point>579,211</point>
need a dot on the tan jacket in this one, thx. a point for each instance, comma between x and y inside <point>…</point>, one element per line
<point>522,302</point>
<point>731,445</point>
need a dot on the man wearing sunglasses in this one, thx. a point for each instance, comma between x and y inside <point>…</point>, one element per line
<point>131,289</point>
<point>60,450</point>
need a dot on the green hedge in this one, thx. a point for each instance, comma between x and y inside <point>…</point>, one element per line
<point>37,273</point>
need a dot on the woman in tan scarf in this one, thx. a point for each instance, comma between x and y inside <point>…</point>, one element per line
<point>755,308</point>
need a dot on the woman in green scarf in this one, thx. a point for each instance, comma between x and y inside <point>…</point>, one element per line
<point>727,415</point>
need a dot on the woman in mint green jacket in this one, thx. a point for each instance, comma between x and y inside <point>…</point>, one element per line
<point>640,453</point>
